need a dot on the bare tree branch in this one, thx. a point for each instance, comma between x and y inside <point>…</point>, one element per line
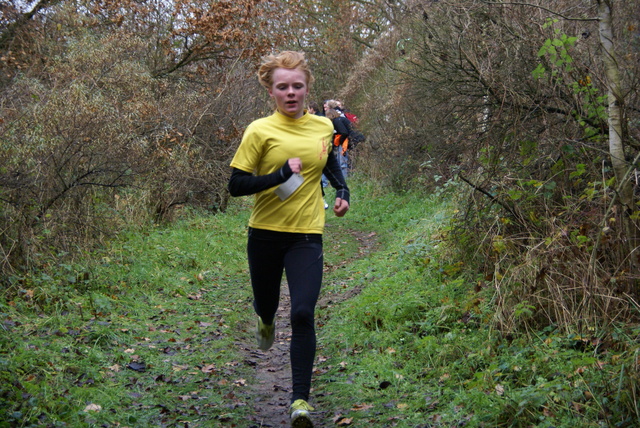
<point>10,32</point>
<point>553,12</point>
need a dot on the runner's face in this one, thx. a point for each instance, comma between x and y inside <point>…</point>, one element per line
<point>289,91</point>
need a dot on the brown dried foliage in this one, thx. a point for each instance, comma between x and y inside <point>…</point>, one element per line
<point>457,97</point>
<point>111,123</point>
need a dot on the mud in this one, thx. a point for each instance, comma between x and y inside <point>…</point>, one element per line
<point>271,388</point>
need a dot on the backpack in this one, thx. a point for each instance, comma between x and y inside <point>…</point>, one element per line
<point>352,117</point>
<point>355,136</point>
<point>344,144</point>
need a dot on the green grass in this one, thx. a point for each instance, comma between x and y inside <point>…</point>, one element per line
<point>417,346</point>
<point>146,330</point>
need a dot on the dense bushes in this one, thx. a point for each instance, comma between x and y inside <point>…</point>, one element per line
<point>511,100</point>
<point>93,143</point>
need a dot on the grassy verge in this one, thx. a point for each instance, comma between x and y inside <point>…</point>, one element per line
<point>145,334</point>
<point>416,347</point>
<point>141,335</point>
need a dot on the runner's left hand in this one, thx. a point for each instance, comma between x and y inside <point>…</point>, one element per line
<point>341,207</point>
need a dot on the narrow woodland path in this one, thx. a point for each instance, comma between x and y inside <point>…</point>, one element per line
<point>272,383</point>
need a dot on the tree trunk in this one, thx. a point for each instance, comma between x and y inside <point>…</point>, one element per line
<point>621,167</point>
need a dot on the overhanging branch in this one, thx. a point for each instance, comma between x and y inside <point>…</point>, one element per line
<point>553,12</point>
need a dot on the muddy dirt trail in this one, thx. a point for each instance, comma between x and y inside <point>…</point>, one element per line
<point>271,387</point>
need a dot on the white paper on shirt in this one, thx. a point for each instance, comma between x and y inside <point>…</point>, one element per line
<point>287,188</point>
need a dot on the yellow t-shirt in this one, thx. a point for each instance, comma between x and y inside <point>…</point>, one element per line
<point>266,145</point>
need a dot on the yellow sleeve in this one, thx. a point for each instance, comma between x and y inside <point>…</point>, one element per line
<point>249,152</point>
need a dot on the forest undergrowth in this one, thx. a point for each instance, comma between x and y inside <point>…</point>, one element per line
<point>148,332</point>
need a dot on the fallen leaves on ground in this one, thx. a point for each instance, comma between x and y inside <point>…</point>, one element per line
<point>93,408</point>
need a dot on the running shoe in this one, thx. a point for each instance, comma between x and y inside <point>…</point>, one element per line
<point>300,414</point>
<point>265,334</point>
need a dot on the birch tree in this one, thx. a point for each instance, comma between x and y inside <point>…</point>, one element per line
<point>617,137</point>
<point>539,114</point>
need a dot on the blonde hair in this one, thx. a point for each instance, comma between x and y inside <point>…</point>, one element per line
<point>286,59</point>
<point>332,114</point>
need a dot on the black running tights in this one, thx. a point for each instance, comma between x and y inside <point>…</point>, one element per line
<point>300,257</point>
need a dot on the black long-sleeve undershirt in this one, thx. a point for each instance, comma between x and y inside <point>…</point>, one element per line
<point>333,172</point>
<point>244,183</point>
